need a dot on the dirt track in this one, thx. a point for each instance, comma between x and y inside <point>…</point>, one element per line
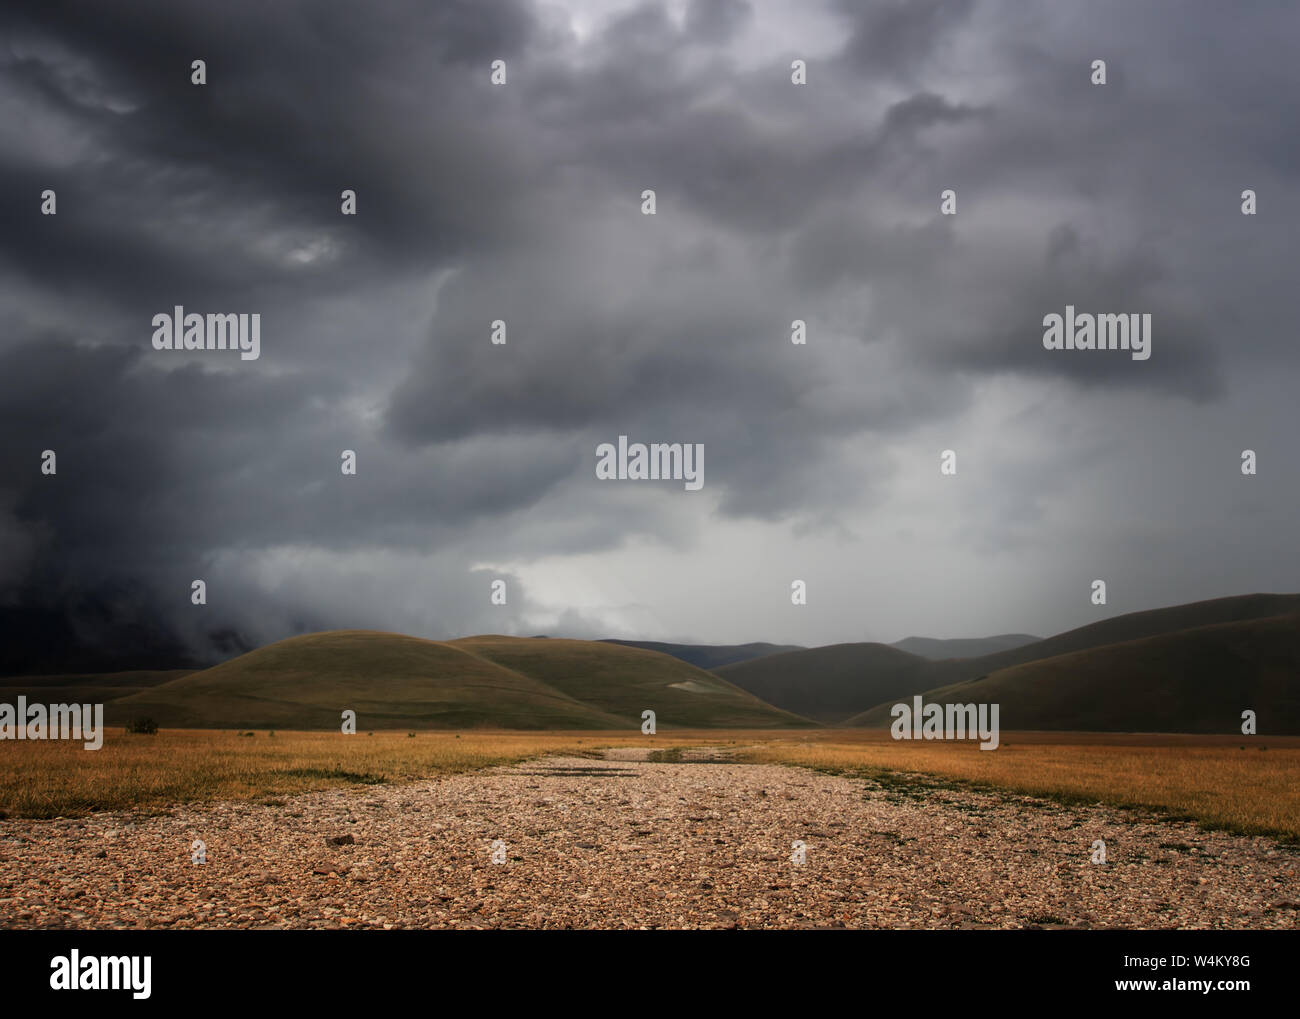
<point>628,843</point>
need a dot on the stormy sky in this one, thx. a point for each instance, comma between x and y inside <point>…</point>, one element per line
<point>522,202</point>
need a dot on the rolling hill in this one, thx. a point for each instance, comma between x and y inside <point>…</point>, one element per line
<point>1109,675</point>
<point>1135,625</point>
<point>1195,680</point>
<point>832,684</point>
<point>394,681</point>
<point>624,680</point>
<point>711,656</point>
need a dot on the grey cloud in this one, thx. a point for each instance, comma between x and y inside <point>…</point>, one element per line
<point>716,21</point>
<point>478,202</point>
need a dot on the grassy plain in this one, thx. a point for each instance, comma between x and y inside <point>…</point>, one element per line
<point>1243,784</point>
<point>1249,785</point>
<point>54,778</point>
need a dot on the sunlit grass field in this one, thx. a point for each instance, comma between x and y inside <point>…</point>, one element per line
<point>143,773</point>
<point>1244,784</point>
<point>1249,785</point>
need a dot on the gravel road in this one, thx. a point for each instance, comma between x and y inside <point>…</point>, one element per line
<point>625,842</point>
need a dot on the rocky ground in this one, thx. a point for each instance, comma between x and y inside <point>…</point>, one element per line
<point>629,842</point>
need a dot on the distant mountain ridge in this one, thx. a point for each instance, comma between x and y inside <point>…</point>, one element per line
<point>709,656</point>
<point>963,647</point>
<point>1133,625</point>
<point>827,682</point>
<point>1186,668</point>
<point>1195,680</point>
<point>822,683</point>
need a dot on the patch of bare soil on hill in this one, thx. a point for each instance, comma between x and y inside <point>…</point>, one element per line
<point>630,841</point>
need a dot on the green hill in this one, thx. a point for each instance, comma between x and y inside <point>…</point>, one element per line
<point>832,684</point>
<point>390,681</point>
<point>1195,680</point>
<point>393,681</point>
<point>1133,626</point>
<point>623,681</point>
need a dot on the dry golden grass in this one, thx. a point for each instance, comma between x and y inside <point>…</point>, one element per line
<point>1210,779</point>
<point>54,778</point>
<point>58,778</point>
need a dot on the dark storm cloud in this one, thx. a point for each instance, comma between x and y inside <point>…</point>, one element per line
<point>899,37</point>
<point>163,465</point>
<point>715,21</point>
<point>522,203</point>
<point>303,100</point>
<point>145,475</point>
